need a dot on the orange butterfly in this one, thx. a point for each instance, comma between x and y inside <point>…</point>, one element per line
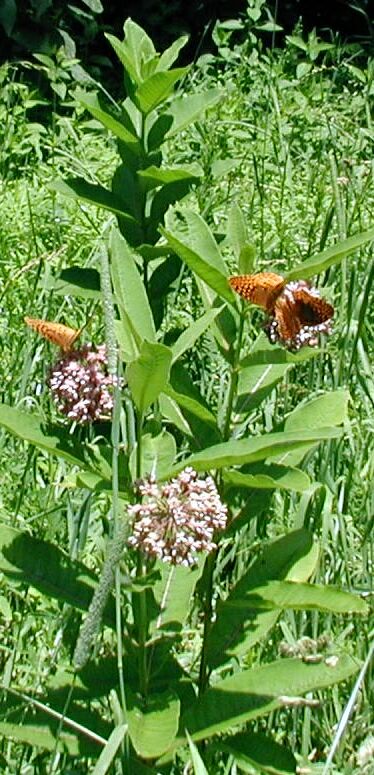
<point>297,312</point>
<point>56,333</point>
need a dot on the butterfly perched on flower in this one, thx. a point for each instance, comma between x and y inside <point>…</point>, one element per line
<point>298,314</point>
<point>57,333</point>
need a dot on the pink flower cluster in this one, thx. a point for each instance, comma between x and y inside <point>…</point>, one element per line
<point>177,519</point>
<point>80,384</point>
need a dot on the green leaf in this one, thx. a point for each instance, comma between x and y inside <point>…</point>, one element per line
<point>153,729</point>
<point>157,88</point>
<point>157,455</point>
<point>170,54</point>
<point>135,51</point>
<point>289,594</point>
<point>268,477</point>
<point>201,239</point>
<point>32,723</point>
<point>185,110</point>
<point>92,104</point>
<point>41,736</point>
<point>29,560</point>
<point>148,375</point>
<point>172,413</point>
<point>174,593</point>
<point>237,231</point>
<point>162,176</point>
<point>262,369</point>
<point>335,254</point>
<point>247,257</point>
<point>328,409</point>
<point>212,276</point>
<point>237,452</point>
<point>51,438</point>
<point>193,332</point>
<point>235,631</point>
<point>80,281</point>
<point>129,289</point>
<point>109,752</point>
<point>78,188</point>
<point>249,694</point>
<point>192,406</point>
<point>197,412</point>
<point>256,750</point>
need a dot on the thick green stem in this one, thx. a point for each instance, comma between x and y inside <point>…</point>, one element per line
<point>203,672</point>
<point>211,561</point>
<point>140,608</point>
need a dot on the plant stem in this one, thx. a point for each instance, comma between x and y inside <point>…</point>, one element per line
<point>211,561</point>
<point>140,608</point>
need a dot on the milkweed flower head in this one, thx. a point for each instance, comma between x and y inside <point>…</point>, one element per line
<point>178,519</point>
<point>80,384</point>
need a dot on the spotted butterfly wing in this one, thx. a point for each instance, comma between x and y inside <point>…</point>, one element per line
<point>57,333</point>
<point>261,289</point>
<point>300,316</point>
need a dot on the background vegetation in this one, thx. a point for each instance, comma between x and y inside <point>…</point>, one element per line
<point>289,142</point>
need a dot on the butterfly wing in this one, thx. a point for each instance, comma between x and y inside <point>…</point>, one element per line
<point>57,333</point>
<point>299,312</point>
<point>311,309</point>
<point>261,289</point>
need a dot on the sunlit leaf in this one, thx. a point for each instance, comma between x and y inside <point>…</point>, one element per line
<point>335,254</point>
<point>147,376</point>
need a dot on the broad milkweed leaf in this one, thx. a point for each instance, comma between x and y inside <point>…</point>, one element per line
<point>170,54</point>
<point>237,231</point>
<point>198,264</point>
<point>94,194</point>
<point>335,254</point>
<point>188,338</point>
<point>328,409</point>
<point>248,694</point>
<point>129,289</point>
<point>268,477</point>
<point>29,560</point>
<point>290,594</point>
<point>172,413</point>
<point>163,176</point>
<point>195,409</point>
<point>136,51</point>
<point>262,369</point>
<point>157,455</point>
<point>148,375</point>
<point>250,749</point>
<point>186,110</point>
<point>173,594</point>
<point>157,88</point>
<point>46,436</point>
<point>235,631</point>
<point>238,452</point>
<point>35,723</point>
<point>92,103</point>
<point>201,239</point>
<point>153,729</point>
<point>80,281</point>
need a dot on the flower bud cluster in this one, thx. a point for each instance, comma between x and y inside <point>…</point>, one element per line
<point>80,384</point>
<point>178,519</point>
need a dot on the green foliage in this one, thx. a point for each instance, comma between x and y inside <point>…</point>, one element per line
<point>167,655</point>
